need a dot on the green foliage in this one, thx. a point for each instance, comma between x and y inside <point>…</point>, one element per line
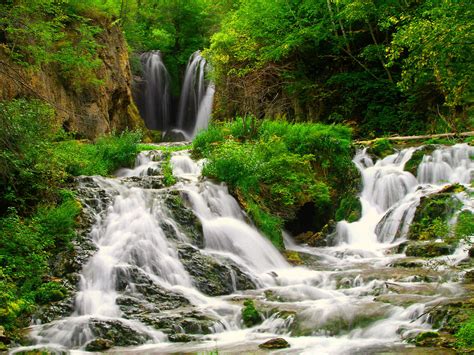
<point>350,209</point>
<point>275,168</point>
<point>167,170</point>
<point>37,215</point>
<point>381,148</point>
<point>42,32</point>
<point>250,315</point>
<point>464,225</point>
<point>465,334</point>
<point>383,66</point>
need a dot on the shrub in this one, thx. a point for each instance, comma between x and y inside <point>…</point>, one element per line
<point>465,334</point>
<point>250,315</point>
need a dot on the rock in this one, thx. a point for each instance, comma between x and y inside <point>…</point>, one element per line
<point>469,276</point>
<point>211,276</point>
<point>432,214</point>
<point>96,109</point>
<point>407,263</point>
<point>188,322</point>
<point>115,333</point>
<point>138,289</point>
<point>276,343</point>
<point>180,338</point>
<point>185,217</point>
<point>428,249</point>
<point>174,136</point>
<point>154,180</point>
<point>416,158</point>
<point>471,252</point>
<point>99,345</point>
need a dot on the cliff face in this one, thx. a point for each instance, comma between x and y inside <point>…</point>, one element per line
<point>92,112</point>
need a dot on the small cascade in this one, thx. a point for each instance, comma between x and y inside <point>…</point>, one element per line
<point>195,104</point>
<point>390,194</point>
<point>154,104</point>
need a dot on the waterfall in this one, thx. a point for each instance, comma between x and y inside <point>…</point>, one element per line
<point>195,104</point>
<point>155,103</point>
<point>169,267</point>
<point>390,194</point>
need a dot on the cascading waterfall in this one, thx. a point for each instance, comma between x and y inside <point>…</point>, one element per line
<point>390,194</point>
<point>152,281</point>
<point>155,103</point>
<point>195,104</point>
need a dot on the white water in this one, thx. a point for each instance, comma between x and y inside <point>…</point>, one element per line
<point>156,97</point>
<point>197,94</point>
<point>343,290</point>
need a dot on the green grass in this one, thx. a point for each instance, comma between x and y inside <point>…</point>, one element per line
<point>465,335</point>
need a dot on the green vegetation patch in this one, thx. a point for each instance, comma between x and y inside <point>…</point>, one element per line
<point>250,315</point>
<point>276,168</point>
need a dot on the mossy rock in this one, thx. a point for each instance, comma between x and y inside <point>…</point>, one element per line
<point>428,249</point>
<point>417,157</point>
<point>450,316</point>
<point>432,214</point>
<point>350,209</point>
<point>381,148</point>
<point>293,257</point>
<point>184,216</point>
<point>211,276</point>
<point>99,345</point>
<point>277,343</point>
<point>250,315</point>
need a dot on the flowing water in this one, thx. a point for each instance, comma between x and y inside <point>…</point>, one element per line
<point>195,103</point>
<point>197,93</point>
<point>155,105</point>
<point>145,274</point>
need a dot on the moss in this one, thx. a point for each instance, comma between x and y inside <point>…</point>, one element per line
<point>293,257</point>
<point>417,157</point>
<point>428,249</point>
<point>250,315</point>
<point>167,170</point>
<point>464,225</point>
<point>350,209</point>
<point>381,148</point>
<point>465,334</point>
<point>430,220</point>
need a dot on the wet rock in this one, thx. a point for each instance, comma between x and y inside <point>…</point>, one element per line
<point>428,249</point>
<point>432,214</point>
<point>318,239</point>
<point>185,217</point>
<point>180,338</point>
<point>188,322</point>
<point>469,276</point>
<point>449,316</point>
<point>211,276</point>
<point>115,333</point>
<point>276,343</point>
<point>154,180</point>
<point>139,288</point>
<point>471,252</point>
<point>55,310</point>
<point>407,263</point>
<point>174,136</point>
<point>99,345</point>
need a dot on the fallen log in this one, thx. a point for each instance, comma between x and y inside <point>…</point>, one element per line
<point>426,136</point>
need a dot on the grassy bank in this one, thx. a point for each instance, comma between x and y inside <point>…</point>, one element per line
<point>284,175</point>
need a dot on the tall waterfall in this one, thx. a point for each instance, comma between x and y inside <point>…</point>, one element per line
<point>155,103</point>
<point>196,98</point>
<point>172,266</point>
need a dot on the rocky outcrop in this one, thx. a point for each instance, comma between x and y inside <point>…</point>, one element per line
<point>98,110</point>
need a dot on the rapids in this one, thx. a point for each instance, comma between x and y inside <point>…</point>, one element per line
<point>347,299</point>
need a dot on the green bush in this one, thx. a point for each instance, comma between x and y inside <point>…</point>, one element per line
<point>250,315</point>
<point>465,334</point>
<point>276,167</point>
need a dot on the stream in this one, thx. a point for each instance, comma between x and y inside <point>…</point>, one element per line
<point>173,265</point>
